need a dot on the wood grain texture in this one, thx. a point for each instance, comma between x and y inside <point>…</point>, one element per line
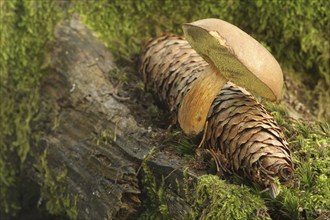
<point>101,173</point>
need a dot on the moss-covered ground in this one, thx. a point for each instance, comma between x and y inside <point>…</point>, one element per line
<point>296,32</point>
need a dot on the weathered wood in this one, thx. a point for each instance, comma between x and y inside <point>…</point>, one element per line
<point>102,172</point>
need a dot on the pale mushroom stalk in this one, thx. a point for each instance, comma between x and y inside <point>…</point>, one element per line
<point>240,134</point>
<point>202,94</point>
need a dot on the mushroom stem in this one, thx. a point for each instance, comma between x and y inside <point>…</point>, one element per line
<point>197,102</point>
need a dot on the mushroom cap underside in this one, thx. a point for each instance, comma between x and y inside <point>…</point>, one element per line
<point>237,56</point>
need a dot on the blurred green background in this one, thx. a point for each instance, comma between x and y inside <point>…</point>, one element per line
<point>296,32</point>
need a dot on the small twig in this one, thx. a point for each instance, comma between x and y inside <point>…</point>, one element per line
<point>119,97</point>
<point>145,159</point>
<point>204,135</point>
<point>170,173</point>
<point>73,87</point>
<point>115,133</point>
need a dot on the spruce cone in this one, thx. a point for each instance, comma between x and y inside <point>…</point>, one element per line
<point>246,139</point>
<point>239,133</point>
<point>169,66</point>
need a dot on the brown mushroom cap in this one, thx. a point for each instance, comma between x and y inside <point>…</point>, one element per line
<point>237,56</point>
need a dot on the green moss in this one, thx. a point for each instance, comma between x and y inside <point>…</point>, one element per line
<point>25,28</point>
<point>215,199</point>
<point>295,30</point>
<point>126,26</point>
<point>118,76</point>
<point>155,204</point>
<point>312,160</point>
<point>309,196</point>
<point>210,198</point>
<point>54,190</point>
<point>105,136</point>
<point>181,143</point>
<point>306,202</point>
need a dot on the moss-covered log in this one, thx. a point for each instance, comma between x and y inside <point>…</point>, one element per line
<point>91,134</point>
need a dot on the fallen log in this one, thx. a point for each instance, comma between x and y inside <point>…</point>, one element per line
<point>93,135</point>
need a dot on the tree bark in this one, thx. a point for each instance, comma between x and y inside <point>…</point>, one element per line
<point>92,133</point>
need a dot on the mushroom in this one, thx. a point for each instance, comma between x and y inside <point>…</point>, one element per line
<point>232,55</point>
